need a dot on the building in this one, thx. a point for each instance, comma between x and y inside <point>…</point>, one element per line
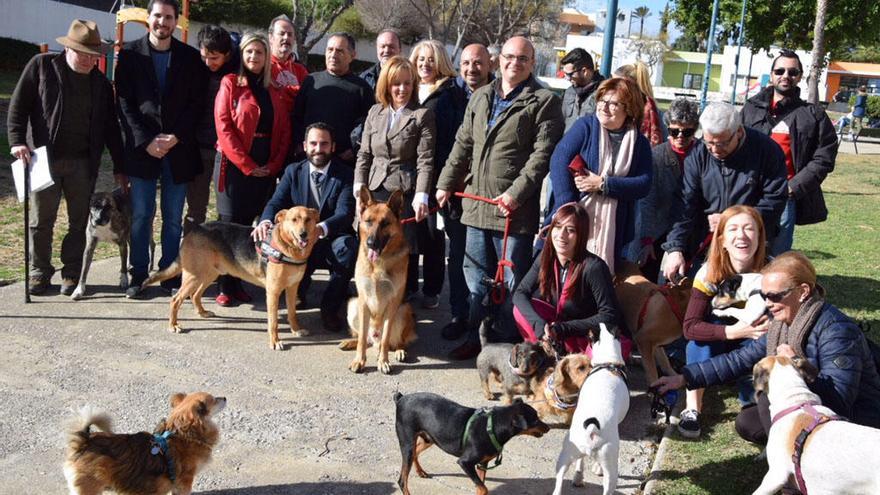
<point>851,75</point>
<point>685,70</point>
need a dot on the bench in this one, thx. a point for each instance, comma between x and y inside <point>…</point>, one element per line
<point>863,132</point>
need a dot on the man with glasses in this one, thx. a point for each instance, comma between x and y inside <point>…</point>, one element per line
<point>68,104</point>
<point>501,152</point>
<point>807,138</point>
<point>579,99</point>
<point>732,165</point>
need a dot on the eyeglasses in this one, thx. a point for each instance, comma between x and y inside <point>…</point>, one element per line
<point>518,58</point>
<point>612,105</point>
<point>686,132</point>
<point>777,297</point>
<point>720,144</point>
<point>792,71</point>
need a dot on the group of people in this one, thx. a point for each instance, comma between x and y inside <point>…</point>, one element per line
<point>244,115</point>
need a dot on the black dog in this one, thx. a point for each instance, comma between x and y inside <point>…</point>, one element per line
<point>109,220</point>
<point>425,419</point>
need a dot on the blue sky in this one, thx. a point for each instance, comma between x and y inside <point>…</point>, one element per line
<point>652,23</point>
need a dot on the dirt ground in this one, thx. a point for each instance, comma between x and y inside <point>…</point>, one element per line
<point>297,421</point>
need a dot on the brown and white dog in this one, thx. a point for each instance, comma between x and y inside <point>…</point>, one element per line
<point>143,463</point>
<point>378,315</point>
<point>838,456</point>
<point>555,391</point>
<point>653,313</point>
<point>221,248</point>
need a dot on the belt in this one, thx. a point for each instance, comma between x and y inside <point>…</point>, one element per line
<point>262,135</point>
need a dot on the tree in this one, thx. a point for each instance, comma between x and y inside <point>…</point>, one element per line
<point>818,55</point>
<point>861,53</point>
<point>257,13</point>
<point>399,15</point>
<point>665,17</point>
<point>641,13</point>
<point>448,21</point>
<point>312,19</point>
<point>650,51</point>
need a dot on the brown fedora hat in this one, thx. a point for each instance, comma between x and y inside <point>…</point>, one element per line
<point>83,36</point>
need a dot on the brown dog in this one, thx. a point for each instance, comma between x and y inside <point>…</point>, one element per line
<point>378,314</point>
<point>143,463</point>
<point>654,314</point>
<point>556,390</point>
<point>220,248</point>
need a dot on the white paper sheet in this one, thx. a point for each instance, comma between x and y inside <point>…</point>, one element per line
<point>41,178</point>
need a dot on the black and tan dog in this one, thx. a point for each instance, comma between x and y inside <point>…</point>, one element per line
<point>220,248</point>
<point>110,221</point>
<point>474,436</point>
<point>378,315</point>
<point>512,365</point>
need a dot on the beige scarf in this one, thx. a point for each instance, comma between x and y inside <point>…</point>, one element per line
<point>602,209</point>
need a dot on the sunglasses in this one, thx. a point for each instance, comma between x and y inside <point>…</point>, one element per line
<point>777,297</point>
<point>792,71</point>
<point>687,132</point>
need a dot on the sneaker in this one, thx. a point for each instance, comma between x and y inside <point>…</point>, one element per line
<point>38,286</point>
<point>430,302</point>
<point>68,285</point>
<point>134,288</point>
<point>689,424</point>
<point>224,300</point>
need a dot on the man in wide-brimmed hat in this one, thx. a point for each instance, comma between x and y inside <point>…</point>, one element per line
<point>69,104</point>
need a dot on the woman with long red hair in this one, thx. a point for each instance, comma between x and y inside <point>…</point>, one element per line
<point>568,290</point>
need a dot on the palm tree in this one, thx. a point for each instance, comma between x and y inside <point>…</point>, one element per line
<point>641,13</point>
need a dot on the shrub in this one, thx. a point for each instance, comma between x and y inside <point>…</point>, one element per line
<point>14,54</point>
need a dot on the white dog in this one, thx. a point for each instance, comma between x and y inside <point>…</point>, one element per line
<point>839,458</point>
<point>602,404</point>
<point>740,288</point>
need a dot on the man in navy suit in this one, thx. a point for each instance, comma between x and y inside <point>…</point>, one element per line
<point>325,185</point>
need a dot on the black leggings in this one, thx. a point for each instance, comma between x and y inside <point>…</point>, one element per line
<point>753,422</point>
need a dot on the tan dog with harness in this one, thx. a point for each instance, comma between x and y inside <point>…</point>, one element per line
<point>221,248</point>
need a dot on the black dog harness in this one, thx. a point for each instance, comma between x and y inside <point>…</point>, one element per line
<point>618,369</point>
<point>270,253</point>
<point>490,429</point>
<point>159,446</point>
<point>818,420</point>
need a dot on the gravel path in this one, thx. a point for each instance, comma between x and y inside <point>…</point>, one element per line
<point>298,422</point>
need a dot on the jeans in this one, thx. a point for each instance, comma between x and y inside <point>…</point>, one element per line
<point>785,237</point>
<point>482,250</point>
<point>73,180</point>
<point>697,352</point>
<point>143,209</point>
<point>458,289</point>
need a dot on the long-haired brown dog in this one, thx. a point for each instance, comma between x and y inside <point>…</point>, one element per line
<point>378,314</point>
<point>143,463</point>
<point>555,391</point>
<point>220,248</point>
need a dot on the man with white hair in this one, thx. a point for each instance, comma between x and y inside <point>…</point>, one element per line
<point>732,165</point>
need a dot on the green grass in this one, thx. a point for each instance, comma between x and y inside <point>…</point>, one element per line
<point>845,252</point>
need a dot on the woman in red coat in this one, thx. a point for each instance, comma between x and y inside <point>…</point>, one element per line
<point>252,118</point>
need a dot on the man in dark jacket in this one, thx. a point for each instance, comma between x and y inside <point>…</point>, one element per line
<point>387,46</point>
<point>317,182</point>
<point>732,165</point>
<point>806,136</point>
<point>160,86</point>
<point>69,105</point>
<point>579,99</point>
<point>501,152</point>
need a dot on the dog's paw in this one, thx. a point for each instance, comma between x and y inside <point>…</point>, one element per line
<point>400,355</point>
<point>577,479</point>
<point>357,365</point>
<point>207,314</point>
<point>596,468</point>
<point>175,329</point>
<point>302,332</point>
<point>78,293</point>
<point>421,472</point>
<point>276,345</point>
<point>384,367</point>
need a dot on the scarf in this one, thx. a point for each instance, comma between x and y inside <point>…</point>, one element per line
<point>650,127</point>
<point>796,334</point>
<point>602,209</point>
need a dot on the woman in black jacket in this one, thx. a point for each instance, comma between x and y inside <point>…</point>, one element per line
<point>568,290</point>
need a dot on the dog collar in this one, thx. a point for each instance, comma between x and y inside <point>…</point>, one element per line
<point>159,446</point>
<point>818,420</point>
<point>490,429</point>
<point>618,369</point>
<point>551,394</point>
<point>270,253</point>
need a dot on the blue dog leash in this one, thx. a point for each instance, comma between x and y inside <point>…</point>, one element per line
<point>490,429</point>
<point>160,446</point>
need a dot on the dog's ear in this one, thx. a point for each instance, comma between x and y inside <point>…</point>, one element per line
<point>365,198</point>
<point>805,368</point>
<point>761,375</point>
<point>593,334</point>
<point>279,217</point>
<point>395,202</point>
<point>177,399</point>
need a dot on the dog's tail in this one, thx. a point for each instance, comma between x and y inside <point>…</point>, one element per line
<point>170,271</point>
<point>78,428</point>
<point>592,427</point>
<point>397,396</point>
<point>485,328</point>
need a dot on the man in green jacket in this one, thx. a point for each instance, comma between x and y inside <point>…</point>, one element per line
<point>501,152</point>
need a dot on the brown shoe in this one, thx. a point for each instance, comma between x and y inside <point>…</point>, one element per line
<point>38,286</point>
<point>468,350</point>
<point>333,322</point>
<point>68,285</point>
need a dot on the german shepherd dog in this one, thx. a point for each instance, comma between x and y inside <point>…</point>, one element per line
<point>378,314</point>
<point>221,248</point>
<point>109,220</point>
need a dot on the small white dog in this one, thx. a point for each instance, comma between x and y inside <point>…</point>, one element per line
<point>744,287</point>
<point>839,458</point>
<point>602,404</point>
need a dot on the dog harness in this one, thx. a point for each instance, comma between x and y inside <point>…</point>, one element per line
<point>560,402</point>
<point>673,305</point>
<point>490,429</point>
<point>159,446</point>
<point>818,420</point>
<point>618,369</point>
<point>270,253</point>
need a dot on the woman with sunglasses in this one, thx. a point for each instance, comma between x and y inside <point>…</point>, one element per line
<point>568,290</point>
<point>803,325</point>
<point>656,213</point>
<point>738,246</point>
